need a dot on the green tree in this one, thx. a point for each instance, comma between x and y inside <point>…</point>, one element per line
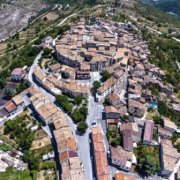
<point>177,146</point>
<point>154,90</point>
<point>125,116</point>
<point>45,18</point>
<point>106,102</point>
<point>157,120</point>
<point>9,45</point>
<point>164,110</point>
<point>78,100</point>
<point>37,41</point>
<point>115,142</point>
<point>82,126</point>
<point>77,116</point>
<point>96,86</point>
<point>46,52</point>
<point>147,165</point>
<point>175,136</point>
<point>63,101</point>
<point>2,83</point>
<point>18,131</point>
<point>22,86</point>
<point>26,140</point>
<point>84,111</point>
<point>14,46</point>
<point>33,162</point>
<point>105,75</point>
<point>8,94</point>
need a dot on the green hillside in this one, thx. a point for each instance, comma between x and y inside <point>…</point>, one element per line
<point>170,6</point>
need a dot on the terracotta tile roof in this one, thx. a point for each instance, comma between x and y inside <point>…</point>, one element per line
<point>168,123</point>
<point>121,176</point>
<point>71,143</point>
<point>100,155</point>
<point>32,90</point>
<point>17,99</point>
<point>47,110</point>
<point>38,73</point>
<point>129,126</point>
<point>107,84</point>
<point>118,74</point>
<point>113,97</point>
<point>63,156</point>
<point>54,67</point>
<point>110,109</point>
<point>60,121</point>
<point>10,106</point>
<point>121,53</point>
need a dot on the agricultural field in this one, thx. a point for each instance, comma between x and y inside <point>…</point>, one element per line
<point>51,16</point>
<point>41,140</point>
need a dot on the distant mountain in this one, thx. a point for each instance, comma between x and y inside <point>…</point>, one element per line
<point>71,1</point>
<point>169,6</point>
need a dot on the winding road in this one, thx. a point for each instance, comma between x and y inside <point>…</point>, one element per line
<point>83,141</point>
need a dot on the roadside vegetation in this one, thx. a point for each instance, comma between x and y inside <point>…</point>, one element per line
<point>105,76</point>
<point>76,108</point>
<point>96,86</point>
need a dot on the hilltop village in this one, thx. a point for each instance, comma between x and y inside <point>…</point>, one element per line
<point>101,61</point>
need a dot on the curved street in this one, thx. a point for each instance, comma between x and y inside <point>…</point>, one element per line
<point>82,141</point>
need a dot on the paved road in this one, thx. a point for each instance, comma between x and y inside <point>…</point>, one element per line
<point>66,19</point>
<point>94,114</point>
<point>83,141</point>
<point>31,79</point>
